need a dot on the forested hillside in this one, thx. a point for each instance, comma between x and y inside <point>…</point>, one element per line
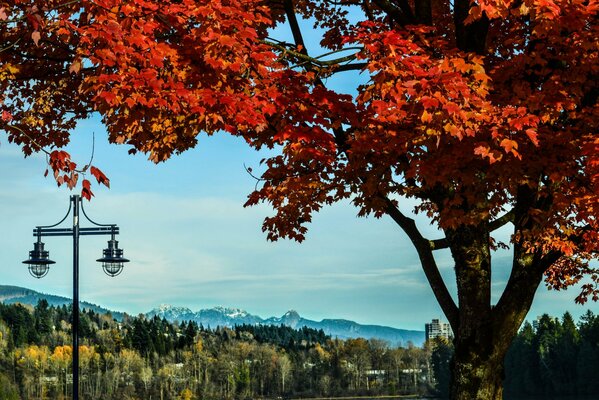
<point>230,317</point>
<point>145,358</point>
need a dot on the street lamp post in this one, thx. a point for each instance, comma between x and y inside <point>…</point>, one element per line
<point>39,263</point>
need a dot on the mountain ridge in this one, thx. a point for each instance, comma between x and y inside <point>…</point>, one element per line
<point>229,317</point>
<point>15,294</point>
<point>340,328</point>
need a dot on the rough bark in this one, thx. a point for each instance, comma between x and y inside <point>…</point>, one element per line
<point>477,368</point>
<point>478,362</point>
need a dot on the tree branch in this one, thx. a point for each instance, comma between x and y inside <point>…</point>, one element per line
<point>294,25</point>
<point>527,268</point>
<point>429,265</point>
<point>501,221</point>
<point>471,37</point>
<point>423,11</point>
<point>438,244</point>
<point>334,65</point>
<point>350,67</point>
<point>516,299</point>
<point>401,14</point>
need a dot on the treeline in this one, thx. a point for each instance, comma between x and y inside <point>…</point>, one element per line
<point>555,358</point>
<point>552,359</point>
<point>141,358</point>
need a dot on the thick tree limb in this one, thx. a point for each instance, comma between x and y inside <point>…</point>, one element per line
<point>442,243</point>
<point>516,299</point>
<point>501,221</point>
<point>401,14</point>
<point>423,11</point>
<point>429,265</point>
<point>294,25</point>
<point>527,268</point>
<point>438,244</point>
<point>471,37</point>
<point>350,67</point>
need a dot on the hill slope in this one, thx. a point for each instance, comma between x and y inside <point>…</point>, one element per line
<point>16,294</point>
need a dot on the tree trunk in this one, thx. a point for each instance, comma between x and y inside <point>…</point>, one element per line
<point>483,332</point>
<point>479,347</point>
<point>477,370</point>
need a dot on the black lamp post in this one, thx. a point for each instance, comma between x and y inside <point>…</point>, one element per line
<point>39,263</point>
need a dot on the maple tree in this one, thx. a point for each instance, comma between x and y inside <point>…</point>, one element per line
<point>484,111</point>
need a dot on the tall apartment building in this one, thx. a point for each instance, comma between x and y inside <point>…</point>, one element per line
<point>438,329</point>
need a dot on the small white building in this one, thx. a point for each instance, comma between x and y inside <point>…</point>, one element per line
<point>438,329</point>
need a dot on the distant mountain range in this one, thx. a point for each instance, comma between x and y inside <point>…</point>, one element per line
<point>229,317</point>
<point>341,328</point>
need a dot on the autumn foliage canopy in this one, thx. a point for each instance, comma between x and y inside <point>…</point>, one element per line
<point>485,111</point>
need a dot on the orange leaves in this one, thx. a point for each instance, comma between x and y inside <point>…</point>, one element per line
<point>66,173</point>
<point>510,146</point>
<point>75,67</point>
<point>532,135</point>
<point>570,270</point>
<point>227,41</point>
<point>429,102</point>
<point>196,66</point>
<point>464,132</point>
<point>60,162</point>
<point>453,130</point>
<point>426,117</point>
<point>487,152</point>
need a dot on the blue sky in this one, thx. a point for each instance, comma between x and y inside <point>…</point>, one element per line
<point>191,242</point>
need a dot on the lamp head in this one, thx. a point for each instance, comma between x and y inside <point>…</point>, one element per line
<point>39,261</point>
<point>112,260</point>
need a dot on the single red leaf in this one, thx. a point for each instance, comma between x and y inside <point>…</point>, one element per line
<point>100,177</point>
<point>36,36</point>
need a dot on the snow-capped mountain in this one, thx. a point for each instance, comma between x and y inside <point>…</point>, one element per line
<point>212,317</point>
<point>171,313</point>
<point>343,329</point>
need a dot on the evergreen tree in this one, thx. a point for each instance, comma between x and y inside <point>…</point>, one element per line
<point>441,361</point>
<point>521,364</point>
<point>566,354</point>
<point>140,338</point>
<point>587,367</point>
<point>43,317</point>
